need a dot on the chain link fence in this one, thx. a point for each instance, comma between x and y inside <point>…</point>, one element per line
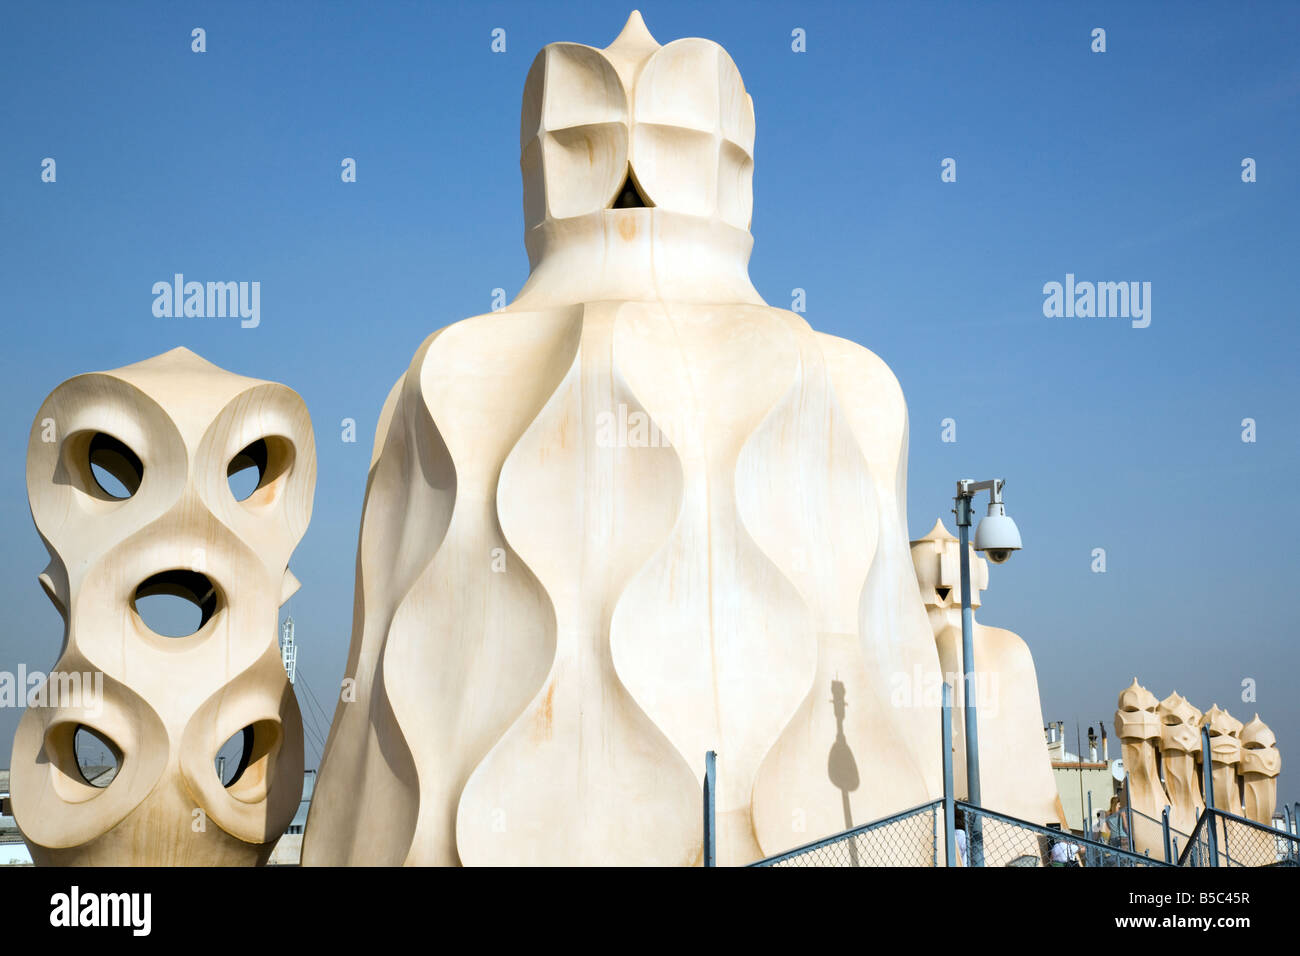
<point>915,837</point>
<point>1225,839</point>
<point>911,838</point>
<point>1000,840</point>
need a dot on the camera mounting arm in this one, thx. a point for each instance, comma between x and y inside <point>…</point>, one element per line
<point>968,489</point>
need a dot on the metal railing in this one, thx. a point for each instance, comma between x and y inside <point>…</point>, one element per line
<point>914,838</point>
<point>1174,839</point>
<point>1012,842</point>
<point>910,838</point>
<point>1225,839</point>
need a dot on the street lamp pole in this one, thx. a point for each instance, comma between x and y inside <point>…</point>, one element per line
<point>968,651</point>
<point>998,536</point>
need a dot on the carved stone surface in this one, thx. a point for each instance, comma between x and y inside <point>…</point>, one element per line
<point>1225,757</point>
<point>633,516</point>
<point>1244,766</point>
<point>1138,728</point>
<point>1180,750</point>
<point>1261,762</point>
<point>169,429</point>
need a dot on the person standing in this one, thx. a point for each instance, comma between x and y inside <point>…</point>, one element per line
<point>1115,824</point>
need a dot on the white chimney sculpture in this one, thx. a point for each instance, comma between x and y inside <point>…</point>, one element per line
<point>635,515</point>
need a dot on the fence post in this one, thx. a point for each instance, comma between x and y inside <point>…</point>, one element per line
<point>710,828</point>
<point>1128,801</point>
<point>934,840</point>
<point>974,826</point>
<point>1294,827</point>
<point>1207,775</point>
<point>1164,822</point>
<point>949,810</point>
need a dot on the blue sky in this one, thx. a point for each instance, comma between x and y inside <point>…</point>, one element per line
<point>1115,166</point>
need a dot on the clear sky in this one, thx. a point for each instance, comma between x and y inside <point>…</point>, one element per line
<point>1117,166</point>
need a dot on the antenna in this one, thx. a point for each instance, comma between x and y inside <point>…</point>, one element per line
<point>288,649</point>
<point>1078,757</point>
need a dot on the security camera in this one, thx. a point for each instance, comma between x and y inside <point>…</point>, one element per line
<point>997,535</point>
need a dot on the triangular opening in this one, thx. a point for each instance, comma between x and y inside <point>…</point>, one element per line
<point>630,195</point>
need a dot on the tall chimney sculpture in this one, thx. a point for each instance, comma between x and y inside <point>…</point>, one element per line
<point>1180,746</point>
<point>1243,771</point>
<point>1225,757</point>
<point>1261,762</point>
<point>634,516</point>
<point>1138,729</point>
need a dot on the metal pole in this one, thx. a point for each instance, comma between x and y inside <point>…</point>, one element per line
<point>1207,769</point>
<point>1207,777</point>
<point>974,829</point>
<point>1128,800</point>
<point>1164,814</point>
<point>949,810</point>
<point>1087,829</point>
<point>1078,747</point>
<point>934,840</point>
<point>710,822</point>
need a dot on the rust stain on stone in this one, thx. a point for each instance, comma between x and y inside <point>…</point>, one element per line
<point>545,720</point>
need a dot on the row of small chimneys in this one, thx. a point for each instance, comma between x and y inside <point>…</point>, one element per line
<point>1055,732</point>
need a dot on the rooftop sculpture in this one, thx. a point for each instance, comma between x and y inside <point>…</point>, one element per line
<point>1015,768</point>
<point>1164,761</point>
<point>1180,751</point>
<point>557,614</point>
<point>169,430</point>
